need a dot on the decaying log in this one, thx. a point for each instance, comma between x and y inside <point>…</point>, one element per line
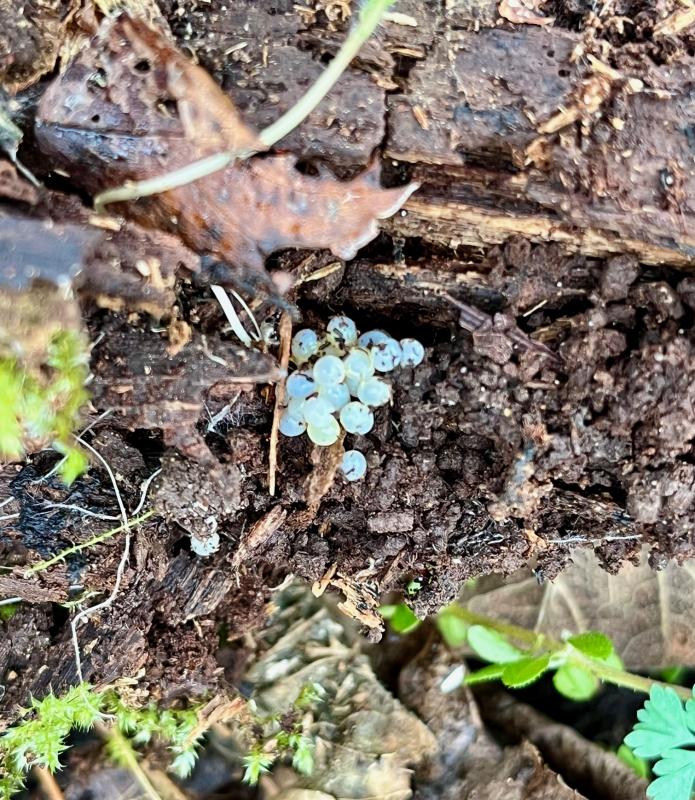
<point>611,172</point>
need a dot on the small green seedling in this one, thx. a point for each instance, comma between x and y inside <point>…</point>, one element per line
<point>281,735</point>
<point>400,618</point>
<point>519,657</point>
<point>665,731</point>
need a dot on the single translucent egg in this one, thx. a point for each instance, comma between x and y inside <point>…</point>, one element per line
<point>386,355</point>
<point>207,546</point>
<point>342,330</point>
<point>374,392</point>
<point>413,352</point>
<point>328,370</point>
<point>372,337</point>
<point>300,385</point>
<point>324,435</point>
<point>295,407</point>
<point>358,363</point>
<point>291,426</point>
<point>356,418</point>
<point>305,344</point>
<point>353,465</point>
<point>337,395</point>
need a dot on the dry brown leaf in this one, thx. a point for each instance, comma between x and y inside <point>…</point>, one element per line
<point>522,12</point>
<point>650,616</point>
<point>132,107</point>
<point>581,762</point>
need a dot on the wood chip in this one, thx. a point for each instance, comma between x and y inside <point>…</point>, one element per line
<point>677,22</point>
<point>522,12</point>
<point>258,534</point>
<point>361,602</point>
<point>320,586</point>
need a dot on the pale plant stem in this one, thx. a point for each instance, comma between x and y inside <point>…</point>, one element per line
<point>366,25</point>
<point>507,629</point>
<point>87,612</point>
<point>536,641</point>
<point>628,680</point>
<point>130,760</point>
<point>315,94</point>
<point>101,537</point>
<point>49,785</point>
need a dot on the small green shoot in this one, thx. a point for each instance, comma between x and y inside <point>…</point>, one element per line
<point>665,731</point>
<point>40,737</point>
<point>519,656</point>
<point>400,618</point>
<point>638,765</point>
<point>282,736</point>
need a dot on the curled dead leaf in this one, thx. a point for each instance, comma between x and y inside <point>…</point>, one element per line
<point>132,107</point>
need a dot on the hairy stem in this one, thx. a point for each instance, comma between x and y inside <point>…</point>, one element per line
<point>533,640</point>
<point>514,632</point>
<point>366,25</point>
<point>102,537</point>
<point>627,680</point>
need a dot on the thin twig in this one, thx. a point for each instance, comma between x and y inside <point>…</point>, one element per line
<point>132,190</point>
<point>49,785</point>
<point>285,331</point>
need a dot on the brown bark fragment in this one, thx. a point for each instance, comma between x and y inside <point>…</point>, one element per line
<point>598,186</point>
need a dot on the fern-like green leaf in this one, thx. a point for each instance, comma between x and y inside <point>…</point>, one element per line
<point>664,729</point>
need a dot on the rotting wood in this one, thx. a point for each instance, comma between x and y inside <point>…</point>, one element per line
<point>258,534</point>
<point>455,224</point>
<point>598,186</point>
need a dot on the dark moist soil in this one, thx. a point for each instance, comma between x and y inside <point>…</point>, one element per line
<point>499,451</point>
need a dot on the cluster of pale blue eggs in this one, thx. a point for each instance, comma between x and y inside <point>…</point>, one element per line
<point>336,384</point>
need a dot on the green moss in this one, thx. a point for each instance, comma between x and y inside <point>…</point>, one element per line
<point>41,405</point>
<point>40,737</point>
